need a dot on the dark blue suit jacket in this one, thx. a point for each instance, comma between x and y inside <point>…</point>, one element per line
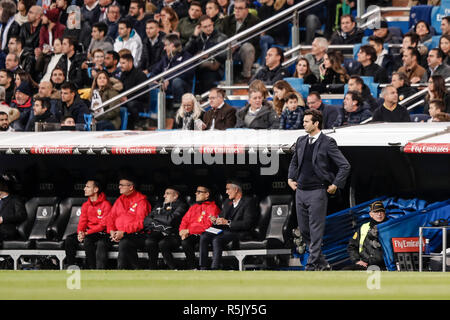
<point>325,154</point>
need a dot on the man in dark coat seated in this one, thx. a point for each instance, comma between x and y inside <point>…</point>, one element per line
<point>12,212</point>
<point>330,113</point>
<point>235,222</point>
<point>161,226</point>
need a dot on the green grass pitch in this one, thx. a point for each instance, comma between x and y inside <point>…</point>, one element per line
<point>223,285</point>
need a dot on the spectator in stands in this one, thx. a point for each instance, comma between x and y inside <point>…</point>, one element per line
<point>411,39</point>
<point>129,39</point>
<point>189,114</point>
<point>152,46</point>
<point>51,29</point>
<point>169,20</point>
<point>111,61</point>
<point>187,25</point>
<point>95,64</point>
<point>125,222</point>
<point>384,59</point>
<point>68,123</point>
<point>332,73</point>
<point>349,33</point>
<point>257,114</point>
<point>423,31</point>
<point>22,76</point>
<point>258,85</point>
<point>12,113</point>
<point>312,178</point>
<point>330,113</point>
<point>26,57</point>
<point>62,5</point>
<point>112,20</point>
<point>364,247</point>
<point>437,91</point>
<point>90,11</point>
<point>385,34</point>
<point>91,229</point>
<point>442,117</point>
<point>41,113</point>
<point>130,78</point>
<point>273,70</point>
<point>278,35</point>
<point>46,90</point>
<point>236,221</point>
<point>30,30</point>
<point>58,77</point>
<point>444,45</point>
<point>7,82</point>
<point>292,115</point>
<point>12,62</point>
<point>23,8</point>
<point>4,123</point>
<point>436,107</point>
<point>355,83</point>
<point>71,61</point>
<point>11,27</point>
<point>179,7</point>
<point>353,111</point>
<point>239,21</point>
<point>281,90</point>
<point>213,11</point>
<point>400,82</point>
<point>315,57</point>
<point>205,37</point>
<point>390,111</point>
<point>161,226</point>
<point>303,71</point>
<point>174,56</point>
<point>411,67</point>
<point>196,220</point>
<point>445,25</point>
<point>226,7</point>
<point>136,13</point>
<point>12,209</point>
<point>47,61</point>
<point>436,65</point>
<point>221,116</point>
<point>103,89</point>
<point>367,57</point>
<point>71,103</point>
<point>23,103</point>
<point>100,39</point>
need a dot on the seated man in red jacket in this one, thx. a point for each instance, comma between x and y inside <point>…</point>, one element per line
<point>91,229</point>
<point>196,221</point>
<point>126,222</point>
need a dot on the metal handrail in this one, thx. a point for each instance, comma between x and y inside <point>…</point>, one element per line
<point>384,9</point>
<point>225,45</point>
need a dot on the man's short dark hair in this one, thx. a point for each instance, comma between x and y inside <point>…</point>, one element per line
<point>18,40</point>
<point>72,41</point>
<point>9,74</point>
<point>152,21</point>
<point>45,102</point>
<point>2,113</point>
<point>439,52</point>
<point>446,18</point>
<point>97,184</point>
<point>114,54</point>
<point>70,86</point>
<point>292,96</point>
<point>370,51</point>
<point>358,80</point>
<point>215,3</point>
<point>414,37</point>
<point>315,93</point>
<point>438,104</point>
<point>316,116</point>
<point>203,18</point>
<point>356,97</point>
<point>415,53</point>
<point>141,4</point>
<point>196,4</point>
<point>348,16</point>
<point>101,27</point>
<point>219,91</point>
<point>280,52</point>
<point>126,22</point>
<point>127,56</point>
<point>376,39</point>
<point>174,39</point>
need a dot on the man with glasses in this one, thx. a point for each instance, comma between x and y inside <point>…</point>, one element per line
<point>125,222</point>
<point>236,23</point>
<point>198,218</point>
<point>221,116</point>
<point>330,113</point>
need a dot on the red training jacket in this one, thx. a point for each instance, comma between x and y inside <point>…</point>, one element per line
<point>197,218</point>
<point>94,214</point>
<point>128,213</point>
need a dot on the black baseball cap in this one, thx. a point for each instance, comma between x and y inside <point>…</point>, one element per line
<point>377,206</point>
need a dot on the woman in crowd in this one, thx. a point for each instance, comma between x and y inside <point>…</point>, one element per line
<point>257,114</point>
<point>105,88</point>
<point>168,20</point>
<point>437,91</point>
<point>423,31</point>
<point>23,76</point>
<point>189,112</point>
<point>444,45</point>
<point>303,71</point>
<point>282,89</point>
<point>332,73</point>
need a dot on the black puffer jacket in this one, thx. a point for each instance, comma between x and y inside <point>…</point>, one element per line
<point>166,218</point>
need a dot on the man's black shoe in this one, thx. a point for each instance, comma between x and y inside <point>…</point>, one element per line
<point>324,267</point>
<point>310,267</point>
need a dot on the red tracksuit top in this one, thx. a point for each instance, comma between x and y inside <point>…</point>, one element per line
<point>94,214</point>
<point>128,213</point>
<point>197,218</point>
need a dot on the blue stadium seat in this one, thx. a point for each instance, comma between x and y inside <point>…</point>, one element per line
<point>298,85</point>
<point>236,103</point>
<point>356,48</point>
<point>87,121</point>
<point>367,79</point>
<point>373,89</point>
<point>419,117</point>
<point>123,118</point>
<point>436,16</point>
<point>421,12</point>
<point>403,26</point>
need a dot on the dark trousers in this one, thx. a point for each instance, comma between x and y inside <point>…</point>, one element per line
<point>128,247</point>
<point>155,242</point>
<point>134,107</point>
<point>188,245</point>
<point>207,79</point>
<point>354,267</point>
<point>96,247</point>
<point>218,241</point>
<point>311,212</point>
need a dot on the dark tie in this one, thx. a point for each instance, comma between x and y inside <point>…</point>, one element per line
<point>310,140</point>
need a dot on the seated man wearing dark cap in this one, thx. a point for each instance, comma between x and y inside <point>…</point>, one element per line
<point>236,221</point>
<point>196,221</point>
<point>161,226</point>
<point>125,223</point>
<point>364,248</point>
<point>23,103</point>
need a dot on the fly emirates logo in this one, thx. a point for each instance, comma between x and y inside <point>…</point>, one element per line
<point>406,244</point>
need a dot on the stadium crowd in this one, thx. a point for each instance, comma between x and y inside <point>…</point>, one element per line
<point>60,60</point>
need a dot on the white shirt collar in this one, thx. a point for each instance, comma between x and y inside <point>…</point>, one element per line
<point>315,137</point>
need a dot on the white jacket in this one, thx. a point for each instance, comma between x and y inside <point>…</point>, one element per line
<point>134,44</point>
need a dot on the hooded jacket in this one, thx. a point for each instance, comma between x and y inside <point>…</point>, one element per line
<point>128,213</point>
<point>166,218</point>
<point>134,44</point>
<point>197,219</point>
<point>94,215</point>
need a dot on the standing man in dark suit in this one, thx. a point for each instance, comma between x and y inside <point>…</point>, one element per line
<point>12,212</point>
<point>312,177</point>
<point>236,220</point>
